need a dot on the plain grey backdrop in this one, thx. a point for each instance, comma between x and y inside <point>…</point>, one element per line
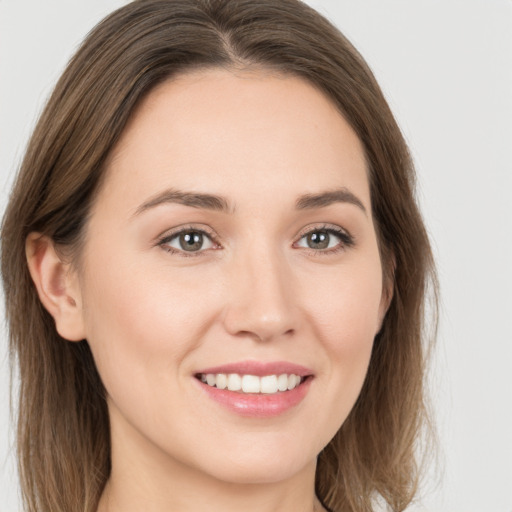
<point>446,69</point>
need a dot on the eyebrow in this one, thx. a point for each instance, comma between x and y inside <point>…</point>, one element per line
<point>221,204</point>
<point>323,199</point>
<point>192,199</point>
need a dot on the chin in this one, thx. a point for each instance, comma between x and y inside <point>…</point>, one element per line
<point>271,471</point>
<point>261,463</point>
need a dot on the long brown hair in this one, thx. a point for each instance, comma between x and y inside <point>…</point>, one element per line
<point>63,425</point>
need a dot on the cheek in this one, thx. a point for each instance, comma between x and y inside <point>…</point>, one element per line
<point>140,323</point>
<point>347,308</point>
<point>346,316</point>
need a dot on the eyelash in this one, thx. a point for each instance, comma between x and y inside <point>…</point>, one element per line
<point>346,240</point>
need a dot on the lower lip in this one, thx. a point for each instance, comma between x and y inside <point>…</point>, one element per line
<point>258,405</point>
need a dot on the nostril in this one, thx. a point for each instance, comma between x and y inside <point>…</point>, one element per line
<point>264,335</point>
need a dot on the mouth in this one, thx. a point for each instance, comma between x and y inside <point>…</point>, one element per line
<point>252,384</point>
<point>256,389</point>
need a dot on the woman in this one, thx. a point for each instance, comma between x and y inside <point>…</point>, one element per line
<point>215,271</point>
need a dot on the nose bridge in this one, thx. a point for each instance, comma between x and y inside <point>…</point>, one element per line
<point>261,300</point>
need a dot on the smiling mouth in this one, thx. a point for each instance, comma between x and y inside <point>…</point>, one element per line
<point>252,384</point>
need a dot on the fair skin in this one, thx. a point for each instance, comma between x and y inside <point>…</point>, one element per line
<point>264,286</point>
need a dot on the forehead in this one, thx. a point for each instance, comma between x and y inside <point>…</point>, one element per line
<point>236,133</point>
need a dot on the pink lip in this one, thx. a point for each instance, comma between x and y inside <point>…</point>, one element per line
<point>258,405</point>
<point>259,368</point>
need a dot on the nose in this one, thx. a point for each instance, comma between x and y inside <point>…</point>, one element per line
<point>261,302</point>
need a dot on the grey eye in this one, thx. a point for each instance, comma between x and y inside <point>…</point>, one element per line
<point>190,241</point>
<point>319,239</point>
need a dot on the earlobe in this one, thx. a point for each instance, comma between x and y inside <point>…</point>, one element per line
<point>57,286</point>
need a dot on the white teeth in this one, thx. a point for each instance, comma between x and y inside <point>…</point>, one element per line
<point>268,384</point>
<point>221,381</point>
<point>293,381</point>
<point>234,382</point>
<point>282,382</point>
<point>251,384</point>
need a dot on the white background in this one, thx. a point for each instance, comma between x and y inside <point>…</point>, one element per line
<point>446,68</point>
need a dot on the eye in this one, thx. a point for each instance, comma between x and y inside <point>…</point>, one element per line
<point>187,241</point>
<point>325,239</point>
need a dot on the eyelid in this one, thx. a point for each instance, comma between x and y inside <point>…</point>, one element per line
<point>322,226</point>
<point>163,239</point>
<point>347,240</point>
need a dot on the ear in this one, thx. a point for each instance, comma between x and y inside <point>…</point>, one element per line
<point>388,289</point>
<point>57,286</point>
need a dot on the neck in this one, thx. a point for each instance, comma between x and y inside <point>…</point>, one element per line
<point>145,478</point>
<point>196,494</point>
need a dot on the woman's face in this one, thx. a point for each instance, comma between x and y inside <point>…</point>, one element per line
<point>232,241</point>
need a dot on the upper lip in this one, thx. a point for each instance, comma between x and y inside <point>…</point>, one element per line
<point>259,368</point>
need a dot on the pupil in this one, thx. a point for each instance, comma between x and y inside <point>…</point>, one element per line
<point>318,240</point>
<point>192,241</point>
